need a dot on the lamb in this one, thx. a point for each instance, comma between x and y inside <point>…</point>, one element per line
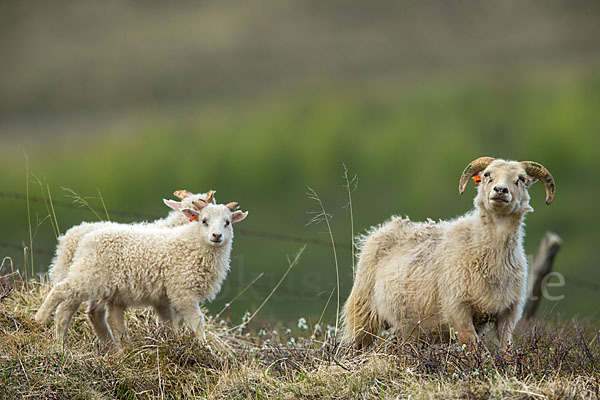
<point>135,265</point>
<point>461,275</point>
<point>68,243</point>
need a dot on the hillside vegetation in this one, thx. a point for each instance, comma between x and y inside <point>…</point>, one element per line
<point>548,361</point>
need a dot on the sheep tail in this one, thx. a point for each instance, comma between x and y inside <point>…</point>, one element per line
<point>361,323</point>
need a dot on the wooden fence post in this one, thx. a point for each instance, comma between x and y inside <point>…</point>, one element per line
<point>542,266</point>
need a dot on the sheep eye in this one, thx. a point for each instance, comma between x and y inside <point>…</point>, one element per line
<point>522,179</point>
<point>227,223</point>
<point>487,175</point>
<point>205,221</point>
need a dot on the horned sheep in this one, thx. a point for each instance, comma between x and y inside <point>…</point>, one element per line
<point>136,265</point>
<point>459,276</point>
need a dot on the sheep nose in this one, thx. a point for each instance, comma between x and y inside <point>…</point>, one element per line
<point>217,236</point>
<point>501,189</point>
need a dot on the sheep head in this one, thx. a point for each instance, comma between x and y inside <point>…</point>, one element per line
<point>504,184</point>
<point>214,220</point>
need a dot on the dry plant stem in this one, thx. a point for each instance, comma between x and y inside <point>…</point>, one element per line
<point>228,304</point>
<point>291,265</point>
<point>324,216</point>
<point>29,218</point>
<point>322,313</point>
<point>39,182</point>
<point>103,205</point>
<point>53,212</point>
<point>81,201</point>
<point>348,184</point>
<point>349,191</point>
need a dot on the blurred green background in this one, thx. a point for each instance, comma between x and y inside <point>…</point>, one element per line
<point>259,100</point>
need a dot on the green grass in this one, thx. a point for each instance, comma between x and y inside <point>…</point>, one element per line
<point>547,361</point>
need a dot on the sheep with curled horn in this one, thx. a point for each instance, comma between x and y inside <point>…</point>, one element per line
<point>460,276</point>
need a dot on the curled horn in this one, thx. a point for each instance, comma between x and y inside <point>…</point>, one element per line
<point>181,194</point>
<point>210,196</point>
<point>538,171</point>
<point>232,206</point>
<point>472,169</point>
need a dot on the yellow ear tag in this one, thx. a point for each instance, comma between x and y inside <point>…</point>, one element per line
<point>477,179</point>
<point>193,218</point>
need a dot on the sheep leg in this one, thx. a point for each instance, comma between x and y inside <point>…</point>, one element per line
<point>96,313</point>
<point>505,326</point>
<point>56,296</point>
<point>165,313</point>
<point>193,315</point>
<point>63,317</point>
<point>116,320</point>
<point>461,320</point>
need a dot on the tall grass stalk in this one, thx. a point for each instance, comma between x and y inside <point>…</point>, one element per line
<point>350,185</point>
<point>80,201</point>
<point>51,214</point>
<point>28,219</point>
<point>103,204</point>
<point>318,217</point>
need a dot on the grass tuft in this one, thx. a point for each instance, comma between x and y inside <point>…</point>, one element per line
<point>548,361</point>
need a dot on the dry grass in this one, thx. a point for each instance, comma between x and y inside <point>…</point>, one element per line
<point>159,362</point>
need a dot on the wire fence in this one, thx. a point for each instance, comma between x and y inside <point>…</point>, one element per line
<point>148,216</point>
<point>245,232</point>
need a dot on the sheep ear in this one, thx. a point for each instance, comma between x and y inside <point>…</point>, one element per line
<point>190,213</point>
<point>175,205</point>
<point>238,216</point>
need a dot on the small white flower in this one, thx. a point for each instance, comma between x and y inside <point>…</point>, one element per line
<point>302,323</point>
<point>246,317</point>
<point>262,332</point>
<point>318,329</point>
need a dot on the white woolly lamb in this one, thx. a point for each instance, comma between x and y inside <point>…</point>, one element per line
<point>69,241</point>
<point>135,265</point>
<point>463,274</point>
